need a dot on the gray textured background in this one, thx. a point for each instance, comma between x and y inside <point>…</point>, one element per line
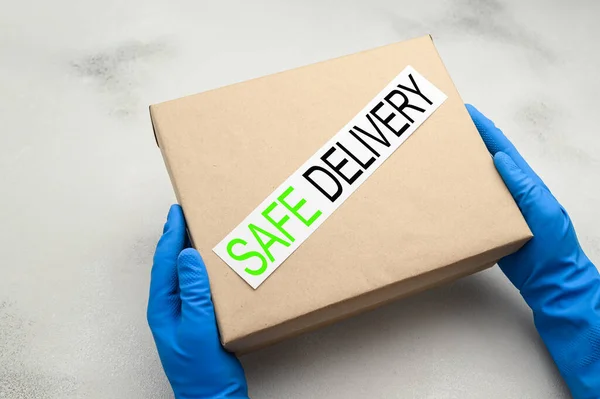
<point>85,192</point>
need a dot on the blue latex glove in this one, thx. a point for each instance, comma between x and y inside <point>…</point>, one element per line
<point>182,320</point>
<point>555,277</point>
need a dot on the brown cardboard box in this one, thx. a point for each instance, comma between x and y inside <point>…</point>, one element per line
<point>436,210</point>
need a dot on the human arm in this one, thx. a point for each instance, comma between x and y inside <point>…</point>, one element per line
<point>555,277</point>
<point>182,319</point>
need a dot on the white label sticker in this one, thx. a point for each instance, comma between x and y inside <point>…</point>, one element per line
<point>287,217</point>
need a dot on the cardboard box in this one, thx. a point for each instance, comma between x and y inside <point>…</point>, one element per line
<point>435,210</point>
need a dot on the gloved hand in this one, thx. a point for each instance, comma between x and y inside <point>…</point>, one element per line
<point>182,319</point>
<point>555,277</point>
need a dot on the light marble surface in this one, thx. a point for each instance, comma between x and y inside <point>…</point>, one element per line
<point>85,191</point>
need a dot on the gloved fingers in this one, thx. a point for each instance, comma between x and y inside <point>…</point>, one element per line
<point>163,304</point>
<point>493,137</point>
<point>496,141</point>
<point>194,291</point>
<point>524,189</point>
